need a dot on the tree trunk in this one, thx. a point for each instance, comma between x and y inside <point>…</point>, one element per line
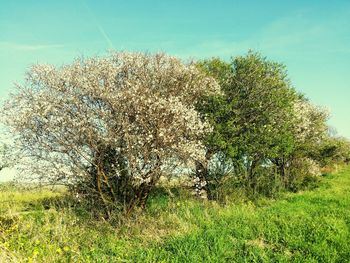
<point>201,180</point>
<point>251,176</point>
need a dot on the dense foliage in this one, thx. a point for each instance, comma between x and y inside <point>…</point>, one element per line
<point>271,136</point>
<point>110,127</point>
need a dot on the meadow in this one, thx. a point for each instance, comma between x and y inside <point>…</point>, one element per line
<point>45,225</point>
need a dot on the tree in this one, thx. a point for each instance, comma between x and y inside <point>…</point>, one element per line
<point>310,128</point>
<point>218,111</point>
<point>252,120</point>
<point>264,105</point>
<point>107,126</point>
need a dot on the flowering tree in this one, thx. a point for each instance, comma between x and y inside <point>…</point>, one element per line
<point>310,127</point>
<point>107,126</point>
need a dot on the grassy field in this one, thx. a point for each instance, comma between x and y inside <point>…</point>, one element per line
<point>310,226</point>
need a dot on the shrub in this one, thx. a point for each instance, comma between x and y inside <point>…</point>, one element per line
<point>333,150</point>
<point>301,173</point>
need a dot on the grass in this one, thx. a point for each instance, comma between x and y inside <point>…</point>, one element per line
<point>310,226</point>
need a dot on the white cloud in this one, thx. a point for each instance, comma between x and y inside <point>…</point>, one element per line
<point>293,35</point>
<point>27,47</point>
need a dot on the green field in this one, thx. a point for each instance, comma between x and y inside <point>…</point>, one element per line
<point>310,226</point>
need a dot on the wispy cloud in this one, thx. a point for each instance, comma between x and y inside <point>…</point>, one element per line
<point>98,25</point>
<point>293,35</point>
<point>27,47</point>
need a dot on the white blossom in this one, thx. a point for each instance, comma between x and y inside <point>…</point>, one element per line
<point>140,105</point>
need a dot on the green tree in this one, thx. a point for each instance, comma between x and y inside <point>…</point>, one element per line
<point>253,118</point>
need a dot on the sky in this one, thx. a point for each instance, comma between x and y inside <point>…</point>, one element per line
<point>312,38</point>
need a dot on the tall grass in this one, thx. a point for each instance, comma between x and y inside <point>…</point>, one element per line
<point>310,226</point>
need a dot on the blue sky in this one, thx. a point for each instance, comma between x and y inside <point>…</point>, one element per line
<point>311,37</point>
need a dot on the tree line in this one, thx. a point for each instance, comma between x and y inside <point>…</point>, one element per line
<point>110,127</point>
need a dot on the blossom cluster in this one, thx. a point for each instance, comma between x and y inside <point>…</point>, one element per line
<point>140,105</point>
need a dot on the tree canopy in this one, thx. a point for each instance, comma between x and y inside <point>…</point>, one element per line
<point>109,127</point>
<point>110,124</point>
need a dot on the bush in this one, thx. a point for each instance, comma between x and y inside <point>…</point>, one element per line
<point>333,150</point>
<point>302,173</point>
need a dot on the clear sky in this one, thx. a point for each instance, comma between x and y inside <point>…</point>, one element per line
<point>311,37</point>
